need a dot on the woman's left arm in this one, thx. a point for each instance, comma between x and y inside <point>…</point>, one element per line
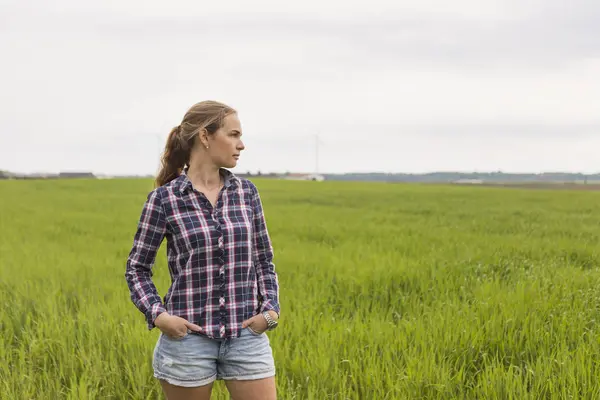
<point>268,283</point>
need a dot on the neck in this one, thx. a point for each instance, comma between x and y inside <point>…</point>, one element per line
<point>203,175</point>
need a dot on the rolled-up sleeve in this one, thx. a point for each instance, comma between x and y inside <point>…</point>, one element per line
<point>268,283</point>
<point>147,240</point>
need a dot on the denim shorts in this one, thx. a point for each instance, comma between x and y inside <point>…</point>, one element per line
<point>196,360</point>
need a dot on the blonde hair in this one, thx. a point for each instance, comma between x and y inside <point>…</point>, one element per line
<point>207,115</point>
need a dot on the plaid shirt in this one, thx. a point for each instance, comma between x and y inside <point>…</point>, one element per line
<point>220,259</point>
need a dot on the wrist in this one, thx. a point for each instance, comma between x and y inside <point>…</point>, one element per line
<point>160,318</point>
<point>271,317</point>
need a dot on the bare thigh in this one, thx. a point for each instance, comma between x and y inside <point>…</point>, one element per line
<point>259,389</point>
<point>173,392</point>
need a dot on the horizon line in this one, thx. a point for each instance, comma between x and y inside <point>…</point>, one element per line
<point>287,172</point>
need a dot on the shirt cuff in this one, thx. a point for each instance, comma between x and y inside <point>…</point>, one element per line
<point>270,306</point>
<point>155,311</point>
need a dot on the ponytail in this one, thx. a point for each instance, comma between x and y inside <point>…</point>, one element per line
<point>174,158</point>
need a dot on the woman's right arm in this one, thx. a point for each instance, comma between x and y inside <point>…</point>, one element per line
<point>150,233</point>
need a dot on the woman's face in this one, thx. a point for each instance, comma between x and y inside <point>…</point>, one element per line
<point>225,146</point>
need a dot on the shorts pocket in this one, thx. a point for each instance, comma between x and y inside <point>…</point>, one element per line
<point>253,332</point>
<point>174,339</point>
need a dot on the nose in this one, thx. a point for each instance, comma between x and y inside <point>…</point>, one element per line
<point>241,145</point>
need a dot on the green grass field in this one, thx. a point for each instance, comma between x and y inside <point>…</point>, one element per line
<point>387,292</point>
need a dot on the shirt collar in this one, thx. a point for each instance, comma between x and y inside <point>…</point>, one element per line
<point>185,182</point>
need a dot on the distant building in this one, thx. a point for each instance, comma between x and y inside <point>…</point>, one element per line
<point>304,177</point>
<point>469,181</point>
<point>67,175</point>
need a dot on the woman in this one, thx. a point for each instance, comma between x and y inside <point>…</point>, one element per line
<point>224,292</point>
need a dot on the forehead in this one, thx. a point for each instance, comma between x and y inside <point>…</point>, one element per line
<point>232,122</point>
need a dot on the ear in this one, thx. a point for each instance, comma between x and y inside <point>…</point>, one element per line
<point>203,137</point>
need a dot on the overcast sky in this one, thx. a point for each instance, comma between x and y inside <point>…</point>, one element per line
<point>395,86</point>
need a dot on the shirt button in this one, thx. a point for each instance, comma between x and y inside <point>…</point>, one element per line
<point>222,301</point>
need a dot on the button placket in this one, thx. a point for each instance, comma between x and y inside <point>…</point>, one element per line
<point>221,279</point>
